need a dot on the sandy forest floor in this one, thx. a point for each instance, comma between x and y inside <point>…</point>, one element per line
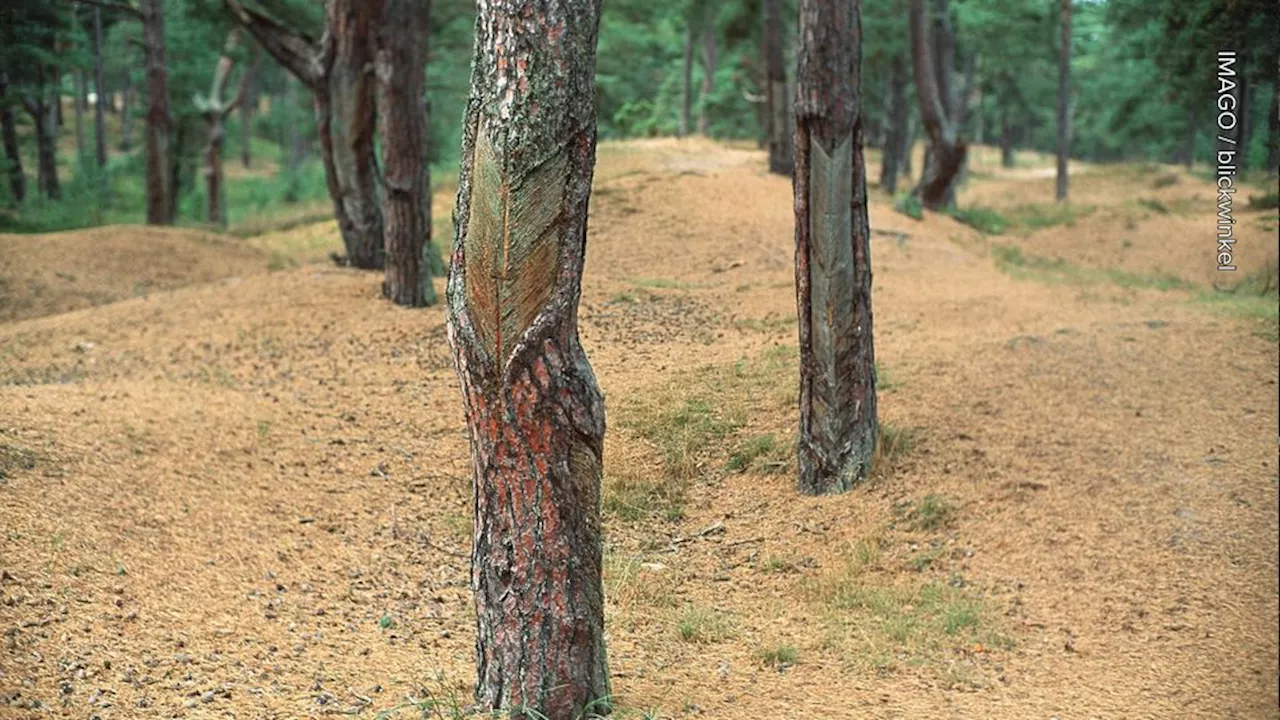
<point>233,492</point>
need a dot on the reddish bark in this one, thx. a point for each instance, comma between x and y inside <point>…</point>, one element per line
<point>534,412</point>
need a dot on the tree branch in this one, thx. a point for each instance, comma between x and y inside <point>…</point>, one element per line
<point>297,53</point>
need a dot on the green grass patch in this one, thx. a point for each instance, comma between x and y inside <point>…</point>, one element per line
<point>780,657</point>
<point>641,498</point>
<point>1013,261</point>
<point>985,220</point>
<point>910,206</point>
<point>933,512</point>
<point>1256,298</point>
<point>1153,205</point>
<point>1038,216</point>
<point>703,625</point>
<point>879,623</point>
<point>762,454</point>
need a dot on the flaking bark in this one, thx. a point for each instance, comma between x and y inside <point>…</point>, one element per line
<point>534,412</point>
<point>838,426</point>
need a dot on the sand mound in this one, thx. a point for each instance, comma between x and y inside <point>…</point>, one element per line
<point>56,273</point>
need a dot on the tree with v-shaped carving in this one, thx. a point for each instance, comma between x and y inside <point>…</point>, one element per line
<point>534,413</point>
<point>838,427</point>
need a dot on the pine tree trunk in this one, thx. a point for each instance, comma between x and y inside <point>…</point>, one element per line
<point>127,100</point>
<point>44,116</point>
<point>79,102</point>
<point>406,204</point>
<point>9,134</point>
<point>161,200</point>
<point>908,148</point>
<point>56,106</point>
<point>1064,101</point>
<point>838,425</point>
<point>946,151</point>
<point>213,169</point>
<point>100,92</point>
<point>897,137</point>
<point>1273,127</point>
<point>247,108</point>
<point>781,148</point>
<point>534,412</point>
<point>1006,140</point>
<point>351,97</point>
<point>686,97</point>
<point>944,55</point>
<point>708,75</point>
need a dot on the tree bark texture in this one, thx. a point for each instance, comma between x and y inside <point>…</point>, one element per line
<point>1064,100</point>
<point>898,135</point>
<point>406,204</point>
<point>534,412</point>
<point>9,134</point>
<point>337,71</point>
<point>100,93</point>
<point>838,426</point>
<point>1006,140</point>
<point>780,137</point>
<point>946,150</point>
<point>161,200</point>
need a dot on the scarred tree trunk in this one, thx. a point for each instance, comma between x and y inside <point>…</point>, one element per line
<point>781,150</point>
<point>406,204</point>
<point>897,137</point>
<point>534,412</point>
<point>838,426</point>
<point>708,75</point>
<point>100,93</point>
<point>161,203</point>
<point>686,98</point>
<point>9,132</point>
<point>946,151</point>
<point>336,72</point>
<point>1064,100</point>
